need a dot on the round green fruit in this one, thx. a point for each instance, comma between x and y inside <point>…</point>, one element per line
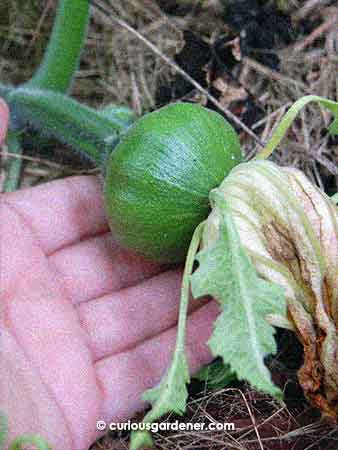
<point>159,176</point>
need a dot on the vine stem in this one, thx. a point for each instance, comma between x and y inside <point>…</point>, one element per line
<point>56,71</point>
<point>178,371</point>
<point>182,317</point>
<point>289,117</point>
<point>62,55</point>
<point>57,115</point>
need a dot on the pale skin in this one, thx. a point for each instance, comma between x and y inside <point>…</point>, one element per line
<point>85,326</point>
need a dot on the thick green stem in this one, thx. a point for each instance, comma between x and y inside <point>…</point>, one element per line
<point>57,115</point>
<point>13,172</point>
<point>5,90</point>
<point>62,55</point>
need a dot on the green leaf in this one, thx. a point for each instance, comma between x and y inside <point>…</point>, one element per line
<point>242,336</point>
<point>216,375</point>
<point>3,429</point>
<point>29,440</point>
<point>334,198</point>
<point>289,117</point>
<point>171,394</point>
<point>141,439</point>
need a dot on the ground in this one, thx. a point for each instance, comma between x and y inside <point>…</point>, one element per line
<point>253,74</point>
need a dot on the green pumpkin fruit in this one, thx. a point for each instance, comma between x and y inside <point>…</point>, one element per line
<point>159,176</point>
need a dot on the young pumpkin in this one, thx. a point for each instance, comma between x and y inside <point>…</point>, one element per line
<point>159,176</point>
<point>157,172</point>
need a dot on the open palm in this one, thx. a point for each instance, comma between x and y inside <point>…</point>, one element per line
<point>85,326</point>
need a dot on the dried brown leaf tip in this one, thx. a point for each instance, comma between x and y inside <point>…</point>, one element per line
<point>289,229</point>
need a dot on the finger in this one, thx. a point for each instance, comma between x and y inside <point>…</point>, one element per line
<point>4,119</point>
<point>36,311</point>
<point>125,376</point>
<point>136,313</point>
<point>62,212</point>
<point>20,384</point>
<point>97,266</point>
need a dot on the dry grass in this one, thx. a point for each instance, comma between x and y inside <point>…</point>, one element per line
<point>260,424</point>
<point>305,69</point>
<point>117,67</point>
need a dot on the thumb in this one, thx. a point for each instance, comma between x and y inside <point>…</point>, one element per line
<point>4,119</point>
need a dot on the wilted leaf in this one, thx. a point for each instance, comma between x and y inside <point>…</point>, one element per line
<point>242,336</point>
<point>290,230</point>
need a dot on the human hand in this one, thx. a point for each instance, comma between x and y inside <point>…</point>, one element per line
<point>86,327</point>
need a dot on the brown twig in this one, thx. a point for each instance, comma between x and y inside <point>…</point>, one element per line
<point>253,420</point>
<point>317,33</point>
<point>309,6</point>
<point>278,112</point>
<point>329,165</point>
<point>39,25</point>
<point>47,163</point>
<point>178,69</point>
<point>272,74</point>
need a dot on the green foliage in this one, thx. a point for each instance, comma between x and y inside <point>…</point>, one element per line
<point>216,375</point>
<point>22,441</point>
<point>242,336</point>
<point>3,429</point>
<point>29,440</point>
<point>334,198</point>
<point>171,394</point>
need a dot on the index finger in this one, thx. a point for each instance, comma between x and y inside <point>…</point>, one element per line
<point>4,119</point>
